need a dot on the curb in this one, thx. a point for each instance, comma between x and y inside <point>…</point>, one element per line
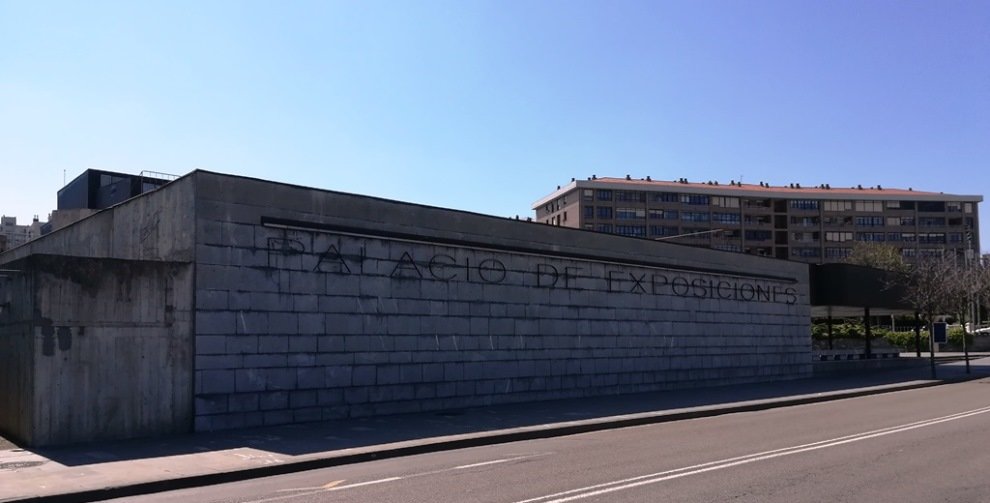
<point>474,440</point>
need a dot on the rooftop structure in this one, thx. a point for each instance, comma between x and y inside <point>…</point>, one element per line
<point>815,224</point>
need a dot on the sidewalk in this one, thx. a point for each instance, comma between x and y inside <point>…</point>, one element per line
<point>89,472</point>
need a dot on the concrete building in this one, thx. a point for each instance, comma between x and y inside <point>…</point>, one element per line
<point>817,224</point>
<point>96,189</point>
<point>15,235</point>
<point>220,302</point>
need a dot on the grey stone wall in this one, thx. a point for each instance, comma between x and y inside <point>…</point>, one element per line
<point>96,325</point>
<point>220,301</point>
<point>314,305</point>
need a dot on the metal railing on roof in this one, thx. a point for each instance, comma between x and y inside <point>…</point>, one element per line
<point>158,176</point>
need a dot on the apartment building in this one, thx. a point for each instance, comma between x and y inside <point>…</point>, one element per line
<point>15,235</point>
<point>816,224</point>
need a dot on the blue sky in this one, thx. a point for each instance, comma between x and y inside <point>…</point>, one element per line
<point>487,106</point>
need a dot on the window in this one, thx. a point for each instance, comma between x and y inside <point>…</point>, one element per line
<point>908,236</point>
<point>756,203</point>
<point>968,208</point>
<point>893,221</point>
<point>804,237</point>
<point>604,195</point>
<point>630,213</point>
<point>726,218</point>
<point>955,237</point>
<point>953,207</point>
<point>805,221</point>
<point>727,247</point>
<point>589,212</point>
<point>838,252</point>
<point>757,219</point>
<point>907,221</point>
<point>693,216</point>
<point>869,221</point>
<point>804,204</point>
<point>837,205</point>
<point>630,195</point>
<point>909,252</point>
<point>932,237</point>
<point>806,252</point>
<point>664,197</point>
<point>955,222</point>
<point>663,214</point>
<point>694,199</point>
<point>588,194</point>
<point>757,235</point>
<point>931,221</point>
<point>725,202</point>
<point>930,252</point>
<point>931,206</point>
<point>893,236</point>
<point>838,237</point>
<point>659,230</point>
<point>871,236</point>
<point>631,230</point>
<point>604,228</point>
<point>876,206</point>
<point>604,212</point>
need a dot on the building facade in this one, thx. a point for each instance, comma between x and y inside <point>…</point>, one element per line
<point>234,302</point>
<point>818,224</point>
<point>13,235</point>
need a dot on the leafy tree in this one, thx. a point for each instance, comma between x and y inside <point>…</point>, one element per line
<point>878,256</point>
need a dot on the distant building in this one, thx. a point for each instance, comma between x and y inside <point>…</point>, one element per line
<point>809,224</point>
<point>13,235</point>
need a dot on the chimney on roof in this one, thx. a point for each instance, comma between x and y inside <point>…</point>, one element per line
<point>628,177</point>
<point>572,178</point>
<point>879,187</point>
<point>860,186</point>
<point>648,179</point>
<point>594,177</point>
<point>716,182</point>
<point>558,187</point>
<point>909,188</point>
<point>791,185</point>
<point>828,187</point>
<point>798,185</point>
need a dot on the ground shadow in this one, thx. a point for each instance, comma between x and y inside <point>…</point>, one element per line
<point>367,432</point>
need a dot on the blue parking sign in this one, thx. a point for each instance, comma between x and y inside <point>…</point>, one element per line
<point>940,335</point>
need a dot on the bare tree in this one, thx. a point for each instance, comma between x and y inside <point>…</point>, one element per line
<point>927,284</point>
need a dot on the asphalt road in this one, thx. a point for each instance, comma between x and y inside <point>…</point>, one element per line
<point>923,445</point>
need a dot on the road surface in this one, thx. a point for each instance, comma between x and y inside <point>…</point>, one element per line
<point>924,445</point>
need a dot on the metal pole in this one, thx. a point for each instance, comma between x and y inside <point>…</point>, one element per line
<point>868,334</point>
<point>830,327</point>
<point>931,344</point>
<point>917,334</point>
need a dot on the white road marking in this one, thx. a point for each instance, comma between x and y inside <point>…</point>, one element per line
<point>334,486</point>
<point>368,483</point>
<point>486,463</point>
<point>653,478</point>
